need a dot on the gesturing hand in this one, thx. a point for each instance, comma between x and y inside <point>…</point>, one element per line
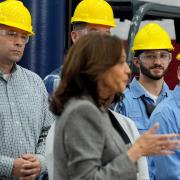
<point>151,143</point>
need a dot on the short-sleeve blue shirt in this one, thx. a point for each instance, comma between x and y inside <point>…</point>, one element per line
<point>168,116</point>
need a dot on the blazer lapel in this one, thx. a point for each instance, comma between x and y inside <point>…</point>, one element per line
<point>118,140</point>
<point>114,135</point>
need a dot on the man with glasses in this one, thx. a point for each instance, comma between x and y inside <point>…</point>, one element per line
<point>24,115</point>
<point>89,16</point>
<point>152,55</point>
<point>8,32</point>
<point>168,115</point>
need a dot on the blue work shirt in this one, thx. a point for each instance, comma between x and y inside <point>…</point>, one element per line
<point>168,115</point>
<point>52,80</point>
<point>133,106</point>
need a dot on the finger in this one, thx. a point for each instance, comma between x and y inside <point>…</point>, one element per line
<point>167,143</point>
<point>30,165</point>
<point>167,137</point>
<point>165,152</point>
<point>153,129</point>
<point>29,172</point>
<point>172,145</point>
<point>27,156</point>
<point>167,147</point>
<point>30,158</point>
<point>31,177</point>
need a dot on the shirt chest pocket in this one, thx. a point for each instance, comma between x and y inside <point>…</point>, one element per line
<point>141,122</point>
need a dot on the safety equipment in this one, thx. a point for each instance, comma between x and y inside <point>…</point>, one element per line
<point>14,14</point>
<point>152,36</point>
<point>178,57</point>
<point>95,12</point>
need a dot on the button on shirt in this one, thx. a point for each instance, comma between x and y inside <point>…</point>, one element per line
<point>24,118</point>
<point>133,106</point>
<point>168,116</point>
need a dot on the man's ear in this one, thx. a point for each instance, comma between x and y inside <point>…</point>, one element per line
<point>170,58</point>
<point>136,62</point>
<point>74,36</point>
<point>178,73</point>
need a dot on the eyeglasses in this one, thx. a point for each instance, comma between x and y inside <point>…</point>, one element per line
<point>86,31</point>
<point>152,56</point>
<point>13,35</point>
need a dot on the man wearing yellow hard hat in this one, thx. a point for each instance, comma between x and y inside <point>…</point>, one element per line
<point>152,55</point>
<point>24,115</point>
<point>89,15</point>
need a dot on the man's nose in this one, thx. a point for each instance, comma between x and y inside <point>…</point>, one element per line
<point>19,41</point>
<point>158,59</point>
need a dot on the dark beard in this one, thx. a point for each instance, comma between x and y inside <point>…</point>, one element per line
<point>147,72</point>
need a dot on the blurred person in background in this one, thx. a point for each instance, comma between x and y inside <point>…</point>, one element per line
<point>89,15</point>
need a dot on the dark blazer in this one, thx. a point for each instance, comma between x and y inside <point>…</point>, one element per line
<point>87,147</point>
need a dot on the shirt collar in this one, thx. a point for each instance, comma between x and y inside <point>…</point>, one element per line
<point>14,68</point>
<point>139,91</point>
<point>176,95</point>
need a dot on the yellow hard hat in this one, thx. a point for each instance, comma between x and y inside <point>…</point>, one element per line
<point>95,12</point>
<point>178,57</point>
<point>14,14</point>
<point>152,36</point>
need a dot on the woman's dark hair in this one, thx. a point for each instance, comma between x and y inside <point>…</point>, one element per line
<point>89,57</point>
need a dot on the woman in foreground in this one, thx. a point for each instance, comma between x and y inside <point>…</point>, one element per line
<point>87,143</point>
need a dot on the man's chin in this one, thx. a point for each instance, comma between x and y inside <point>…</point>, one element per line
<point>156,77</point>
<point>16,59</point>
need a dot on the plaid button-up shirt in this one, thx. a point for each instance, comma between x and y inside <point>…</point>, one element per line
<point>24,118</point>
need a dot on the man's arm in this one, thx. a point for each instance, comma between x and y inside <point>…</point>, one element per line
<point>6,166</point>
<point>48,119</point>
<point>10,167</point>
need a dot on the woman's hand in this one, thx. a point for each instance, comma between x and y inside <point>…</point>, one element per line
<point>151,143</point>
